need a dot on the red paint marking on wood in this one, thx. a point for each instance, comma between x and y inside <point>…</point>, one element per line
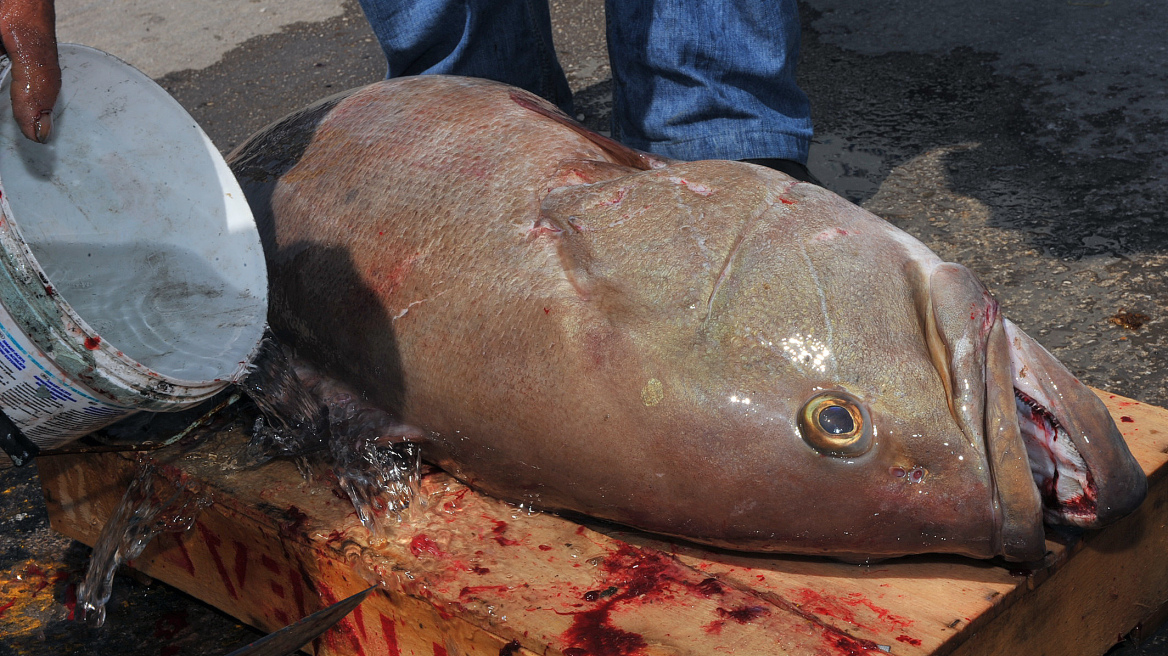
<point>272,565</point>
<point>342,629</point>
<point>240,563</point>
<point>181,556</point>
<point>213,543</point>
<point>359,620</point>
<point>297,590</point>
<point>390,632</point>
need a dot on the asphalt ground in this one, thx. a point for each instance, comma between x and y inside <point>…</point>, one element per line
<point>1028,141</point>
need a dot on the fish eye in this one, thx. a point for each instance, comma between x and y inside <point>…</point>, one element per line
<point>834,423</point>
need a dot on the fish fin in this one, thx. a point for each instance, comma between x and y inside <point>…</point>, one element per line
<point>620,153</point>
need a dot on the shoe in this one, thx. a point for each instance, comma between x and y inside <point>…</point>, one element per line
<point>788,166</point>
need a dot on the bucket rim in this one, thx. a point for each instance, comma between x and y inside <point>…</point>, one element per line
<point>92,357</point>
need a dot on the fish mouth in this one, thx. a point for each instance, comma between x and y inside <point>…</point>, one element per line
<point>1080,463</point>
<point>1052,449</point>
<point>1065,484</point>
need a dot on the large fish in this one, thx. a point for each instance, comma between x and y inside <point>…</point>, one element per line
<point>707,349</point>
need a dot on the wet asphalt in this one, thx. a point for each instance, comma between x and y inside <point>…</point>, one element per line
<point>1028,141</point>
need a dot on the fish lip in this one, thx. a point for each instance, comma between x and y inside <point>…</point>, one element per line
<point>1020,534</point>
<point>966,339</point>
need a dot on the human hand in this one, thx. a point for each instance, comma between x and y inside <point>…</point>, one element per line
<point>28,37</point>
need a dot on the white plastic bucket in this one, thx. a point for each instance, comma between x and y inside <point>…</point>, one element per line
<point>131,272</point>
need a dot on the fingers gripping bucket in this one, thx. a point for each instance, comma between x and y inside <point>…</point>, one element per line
<point>131,272</point>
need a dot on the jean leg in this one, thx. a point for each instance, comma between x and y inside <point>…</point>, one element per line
<point>505,40</point>
<point>708,79</point>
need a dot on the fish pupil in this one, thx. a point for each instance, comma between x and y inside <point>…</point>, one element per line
<point>836,420</point>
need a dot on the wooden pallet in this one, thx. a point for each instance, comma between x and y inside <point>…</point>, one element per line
<point>472,575</point>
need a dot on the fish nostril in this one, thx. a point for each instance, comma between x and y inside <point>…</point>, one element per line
<point>898,472</point>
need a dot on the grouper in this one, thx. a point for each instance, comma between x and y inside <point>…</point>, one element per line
<point>710,350</point>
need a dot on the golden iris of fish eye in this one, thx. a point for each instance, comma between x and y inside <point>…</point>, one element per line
<point>853,443</point>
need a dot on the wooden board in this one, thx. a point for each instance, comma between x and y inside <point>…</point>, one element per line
<point>468,574</point>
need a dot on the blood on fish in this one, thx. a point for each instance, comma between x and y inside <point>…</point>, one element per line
<point>452,505</point>
<point>422,544</point>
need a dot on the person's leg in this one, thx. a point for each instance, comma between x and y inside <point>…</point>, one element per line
<point>505,40</point>
<point>708,79</point>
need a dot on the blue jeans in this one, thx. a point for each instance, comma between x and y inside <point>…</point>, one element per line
<point>692,79</point>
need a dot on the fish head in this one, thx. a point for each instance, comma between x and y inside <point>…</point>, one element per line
<point>919,418</point>
<point>842,389</point>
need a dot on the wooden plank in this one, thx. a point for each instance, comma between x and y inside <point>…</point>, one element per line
<point>469,574</point>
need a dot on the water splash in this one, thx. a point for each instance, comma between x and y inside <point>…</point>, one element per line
<point>294,424</point>
<point>312,418</point>
<point>148,507</point>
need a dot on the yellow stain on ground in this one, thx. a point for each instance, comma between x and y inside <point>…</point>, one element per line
<point>29,597</point>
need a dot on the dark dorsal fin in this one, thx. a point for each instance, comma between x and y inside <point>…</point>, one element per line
<point>620,153</point>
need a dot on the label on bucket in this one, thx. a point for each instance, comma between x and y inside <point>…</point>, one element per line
<point>49,408</point>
